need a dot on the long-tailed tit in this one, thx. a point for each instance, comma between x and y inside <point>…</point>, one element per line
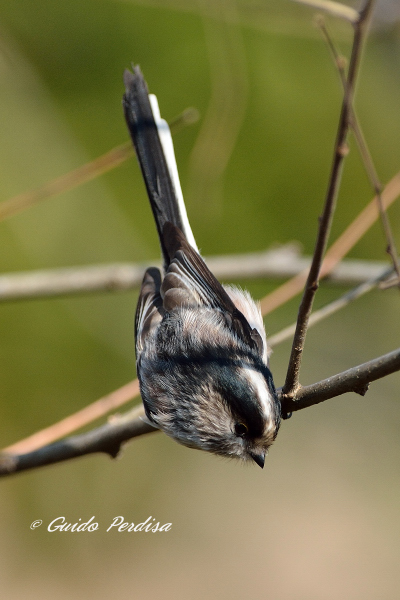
<point>201,349</point>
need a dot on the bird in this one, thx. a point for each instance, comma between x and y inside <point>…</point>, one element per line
<point>202,357</point>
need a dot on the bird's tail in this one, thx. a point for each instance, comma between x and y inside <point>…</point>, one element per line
<point>152,140</point>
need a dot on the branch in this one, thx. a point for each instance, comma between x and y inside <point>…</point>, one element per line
<point>277,263</point>
<point>124,394</point>
<point>292,377</point>
<point>69,181</point>
<point>345,242</point>
<point>85,173</point>
<point>109,437</point>
<point>355,380</point>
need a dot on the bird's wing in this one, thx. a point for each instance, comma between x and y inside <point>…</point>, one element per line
<point>189,282</point>
<point>149,310</point>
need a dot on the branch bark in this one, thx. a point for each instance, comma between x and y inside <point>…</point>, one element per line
<point>344,243</point>
<point>77,420</point>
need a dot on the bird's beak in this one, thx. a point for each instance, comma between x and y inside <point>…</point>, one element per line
<point>258,458</point>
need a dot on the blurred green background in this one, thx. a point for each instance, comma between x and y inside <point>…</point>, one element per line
<point>322,520</point>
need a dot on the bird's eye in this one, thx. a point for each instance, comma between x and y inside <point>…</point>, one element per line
<point>241,429</point>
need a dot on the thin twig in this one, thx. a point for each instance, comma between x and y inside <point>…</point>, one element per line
<point>345,242</point>
<point>85,173</point>
<point>331,308</point>
<point>82,417</point>
<point>354,232</point>
<point>292,377</point>
<point>69,181</point>
<point>390,282</point>
<point>333,8</point>
<point>109,437</point>
<point>365,153</point>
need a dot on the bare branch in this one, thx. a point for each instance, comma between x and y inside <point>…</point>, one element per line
<point>280,262</point>
<point>109,437</point>
<point>45,283</point>
<point>69,181</point>
<point>355,380</point>
<point>292,377</point>
<point>393,281</point>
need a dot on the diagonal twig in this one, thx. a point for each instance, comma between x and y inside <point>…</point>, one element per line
<point>332,307</point>
<point>365,153</point>
<point>77,420</point>
<point>335,9</point>
<point>69,181</point>
<point>85,173</point>
<point>292,377</point>
<point>107,439</point>
<point>344,243</point>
